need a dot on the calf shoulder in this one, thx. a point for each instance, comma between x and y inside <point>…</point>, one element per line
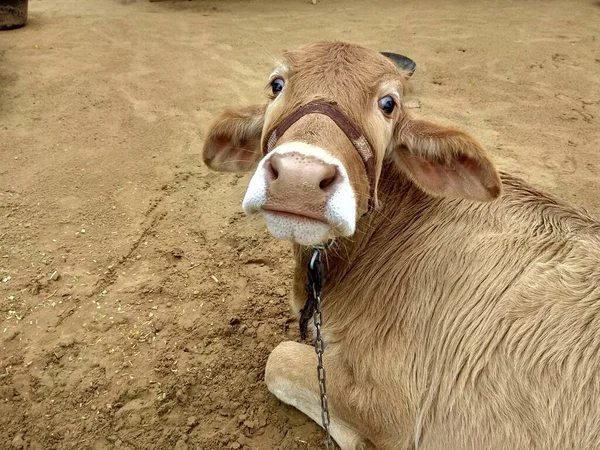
<point>456,310</point>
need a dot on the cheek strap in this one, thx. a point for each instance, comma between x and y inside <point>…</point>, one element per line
<point>358,139</point>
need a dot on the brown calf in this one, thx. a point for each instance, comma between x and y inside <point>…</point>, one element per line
<point>463,311</point>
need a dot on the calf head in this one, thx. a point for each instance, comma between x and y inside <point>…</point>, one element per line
<point>334,116</point>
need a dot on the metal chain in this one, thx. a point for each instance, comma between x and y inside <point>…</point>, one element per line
<point>319,348</point>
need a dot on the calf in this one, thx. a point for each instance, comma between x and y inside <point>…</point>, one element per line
<point>462,306</point>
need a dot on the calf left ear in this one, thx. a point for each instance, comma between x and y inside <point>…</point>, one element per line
<point>445,162</point>
<point>233,140</point>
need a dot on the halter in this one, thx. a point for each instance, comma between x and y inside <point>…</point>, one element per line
<point>350,129</point>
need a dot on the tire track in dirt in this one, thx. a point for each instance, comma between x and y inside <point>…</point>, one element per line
<point>154,216</point>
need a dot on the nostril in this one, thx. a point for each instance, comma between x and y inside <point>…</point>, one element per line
<point>272,169</point>
<point>324,184</point>
<point>328,177</point>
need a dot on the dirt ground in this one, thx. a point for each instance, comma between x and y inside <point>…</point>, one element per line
<point>137,304</point>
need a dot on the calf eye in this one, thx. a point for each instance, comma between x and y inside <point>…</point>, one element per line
<point>387,104</point>
<point>277,85</point>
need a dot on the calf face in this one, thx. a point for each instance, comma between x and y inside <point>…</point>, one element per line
<point>316,178</point>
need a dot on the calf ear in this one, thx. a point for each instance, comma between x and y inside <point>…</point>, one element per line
<point>445,162</point>
<point>233,140</point>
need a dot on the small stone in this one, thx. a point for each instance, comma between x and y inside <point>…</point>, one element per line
<point>11,335</point>
<point>7,392</point>
<point>102,444</point>
<point>243,440</point>
<point>192,420</point>
<point>46,380</point>
<point>251,377</point>
<point>83,231</point>
<point>181,396</point>
<point>18,441</point>
<point>187,323</point>
<point>66,341</point>
<point>264,332</point>
<point>235,445</point>
<point>181,445</point>
<point>177,253</point>
<point>280,291</point>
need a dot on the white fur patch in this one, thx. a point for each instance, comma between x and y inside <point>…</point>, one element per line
<point>340,212</point>
<point>309,403</point>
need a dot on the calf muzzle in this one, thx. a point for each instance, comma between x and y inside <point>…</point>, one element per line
<point>350,129</point>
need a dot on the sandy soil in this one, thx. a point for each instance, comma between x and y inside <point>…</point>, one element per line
<point>137,304</point>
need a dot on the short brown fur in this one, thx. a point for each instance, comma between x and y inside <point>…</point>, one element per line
<point>450,323</point>
<point>464,326</point>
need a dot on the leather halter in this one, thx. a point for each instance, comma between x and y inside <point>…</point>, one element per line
<point>358,139</point>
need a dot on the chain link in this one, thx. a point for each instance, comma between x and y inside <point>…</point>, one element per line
<point>321,372</point>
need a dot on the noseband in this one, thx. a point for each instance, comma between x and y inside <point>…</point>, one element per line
<point>358,139</point>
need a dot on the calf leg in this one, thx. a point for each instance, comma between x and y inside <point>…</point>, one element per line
<point>291,375</point>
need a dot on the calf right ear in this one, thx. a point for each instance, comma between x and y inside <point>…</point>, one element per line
<point>233,140</point>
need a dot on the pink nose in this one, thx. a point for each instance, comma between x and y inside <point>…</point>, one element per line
<point>299,185</point>
<point>292,169</point>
